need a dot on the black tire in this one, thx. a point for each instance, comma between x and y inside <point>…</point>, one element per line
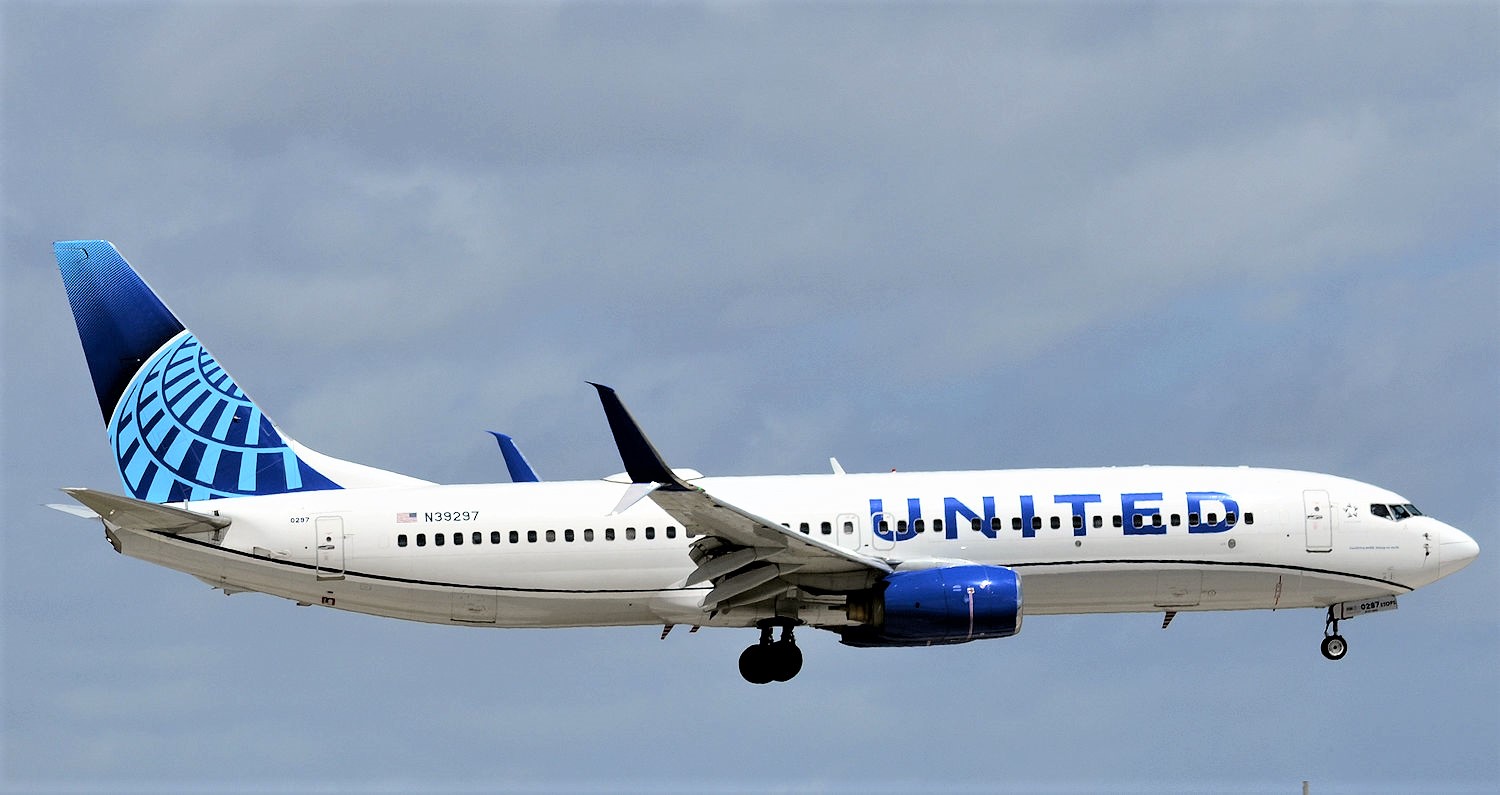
<point>787,660</point>
<point>1334,647</point>
<point>757,664</point>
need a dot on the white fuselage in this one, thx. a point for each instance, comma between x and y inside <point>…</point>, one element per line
<point>554,554</point>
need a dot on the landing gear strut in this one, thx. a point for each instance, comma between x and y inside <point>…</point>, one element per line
<point>769,661</point>
<point>1334,647</point>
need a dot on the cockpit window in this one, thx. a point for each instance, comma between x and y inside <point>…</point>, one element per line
<point>1395,512</point>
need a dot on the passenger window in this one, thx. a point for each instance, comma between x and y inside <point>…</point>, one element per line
<point>885,527</point>
<point>458,539</point>
<point>805,528</point>
<point>1138,521</point>
<point>1176,520</point>
<point>1212,518</point>
<point>1015,523</point>
<point>937,525</point>
<point>996,524</point>
<point>671,531</point>
<point>1249,518</point>
<point>630,534</point>
<point>650,533</point>
<point>901,527</point>
<point>531,536</point>
<point>515,537</point>
<point>568,535</point>
<point>588,534</point>
<point>609,534</point>
<point>401,540</point>
<point>1156,520</point>
<point>920,525</point>
<point>826,528</point>
<point>1098,522</point>
<point>689,532</point>
<point>1036,523</point>
<point>551,536</point>
<point>421,539</point>
<point>848,528</point>
<point>975,524</point>
<point>1230,518</point>
<point>494,536</point>
<point>1193,519</point>
<point>478,537</point>
<point>437,539</point>
<point>1077,522</point>
<point>1056,523</point>
<point>1118,522</point>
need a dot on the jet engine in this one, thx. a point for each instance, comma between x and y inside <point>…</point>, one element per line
<point>954,604</point>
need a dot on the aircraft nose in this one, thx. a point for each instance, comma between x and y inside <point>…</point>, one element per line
<point>1455,550</point>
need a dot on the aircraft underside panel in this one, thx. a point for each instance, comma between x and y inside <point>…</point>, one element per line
<point>1050,590</point>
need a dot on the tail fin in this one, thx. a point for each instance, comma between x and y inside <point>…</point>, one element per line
<point>180,428</point>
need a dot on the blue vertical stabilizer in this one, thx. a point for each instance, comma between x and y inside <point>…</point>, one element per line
<point>180,428</point>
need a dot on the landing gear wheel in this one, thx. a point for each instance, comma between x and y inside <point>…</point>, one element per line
<point>755,664</point>
<point>1334,647</point>
<point>769,661</point>
<point>787,658</point>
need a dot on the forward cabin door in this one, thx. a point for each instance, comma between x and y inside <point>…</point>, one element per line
<point>330,546</point>
<point>1319,521</point>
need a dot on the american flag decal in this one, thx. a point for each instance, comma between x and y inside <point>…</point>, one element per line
<point>406,517</point>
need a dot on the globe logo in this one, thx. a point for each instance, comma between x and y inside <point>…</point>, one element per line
<point>183,430</point>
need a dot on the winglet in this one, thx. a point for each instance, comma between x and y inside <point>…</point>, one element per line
<point>642,462</point>
<point>520,470</point>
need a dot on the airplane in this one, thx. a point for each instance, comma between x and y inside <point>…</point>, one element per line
<point>215,489</point>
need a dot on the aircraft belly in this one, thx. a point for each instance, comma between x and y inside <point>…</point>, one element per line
<point>512,606</point>
<point>1114,589</point>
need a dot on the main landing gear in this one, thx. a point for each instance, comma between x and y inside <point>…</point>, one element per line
<point>1334,647</point>
<point>769,661</point>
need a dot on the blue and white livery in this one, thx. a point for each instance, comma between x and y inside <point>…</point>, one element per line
<point>217,490</point>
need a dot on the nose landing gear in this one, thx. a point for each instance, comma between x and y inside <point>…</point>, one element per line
<point>1334,646</point>
<point>769,661</point>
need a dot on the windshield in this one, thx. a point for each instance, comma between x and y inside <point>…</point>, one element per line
<point>1393,511</point>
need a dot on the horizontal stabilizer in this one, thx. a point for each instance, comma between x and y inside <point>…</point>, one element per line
<point>133,514</point>
<point>73,510</point>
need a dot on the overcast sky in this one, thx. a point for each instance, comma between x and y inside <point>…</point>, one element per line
<point>909,236</point>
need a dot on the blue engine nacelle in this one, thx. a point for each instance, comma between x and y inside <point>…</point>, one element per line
<point>956,604</point>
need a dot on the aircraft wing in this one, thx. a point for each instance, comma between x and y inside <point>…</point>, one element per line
<point>133,514</point>
<point>749,558</point>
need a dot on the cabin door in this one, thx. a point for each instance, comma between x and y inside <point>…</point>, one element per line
<point>1319,521</point>
<point>330,546</point>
